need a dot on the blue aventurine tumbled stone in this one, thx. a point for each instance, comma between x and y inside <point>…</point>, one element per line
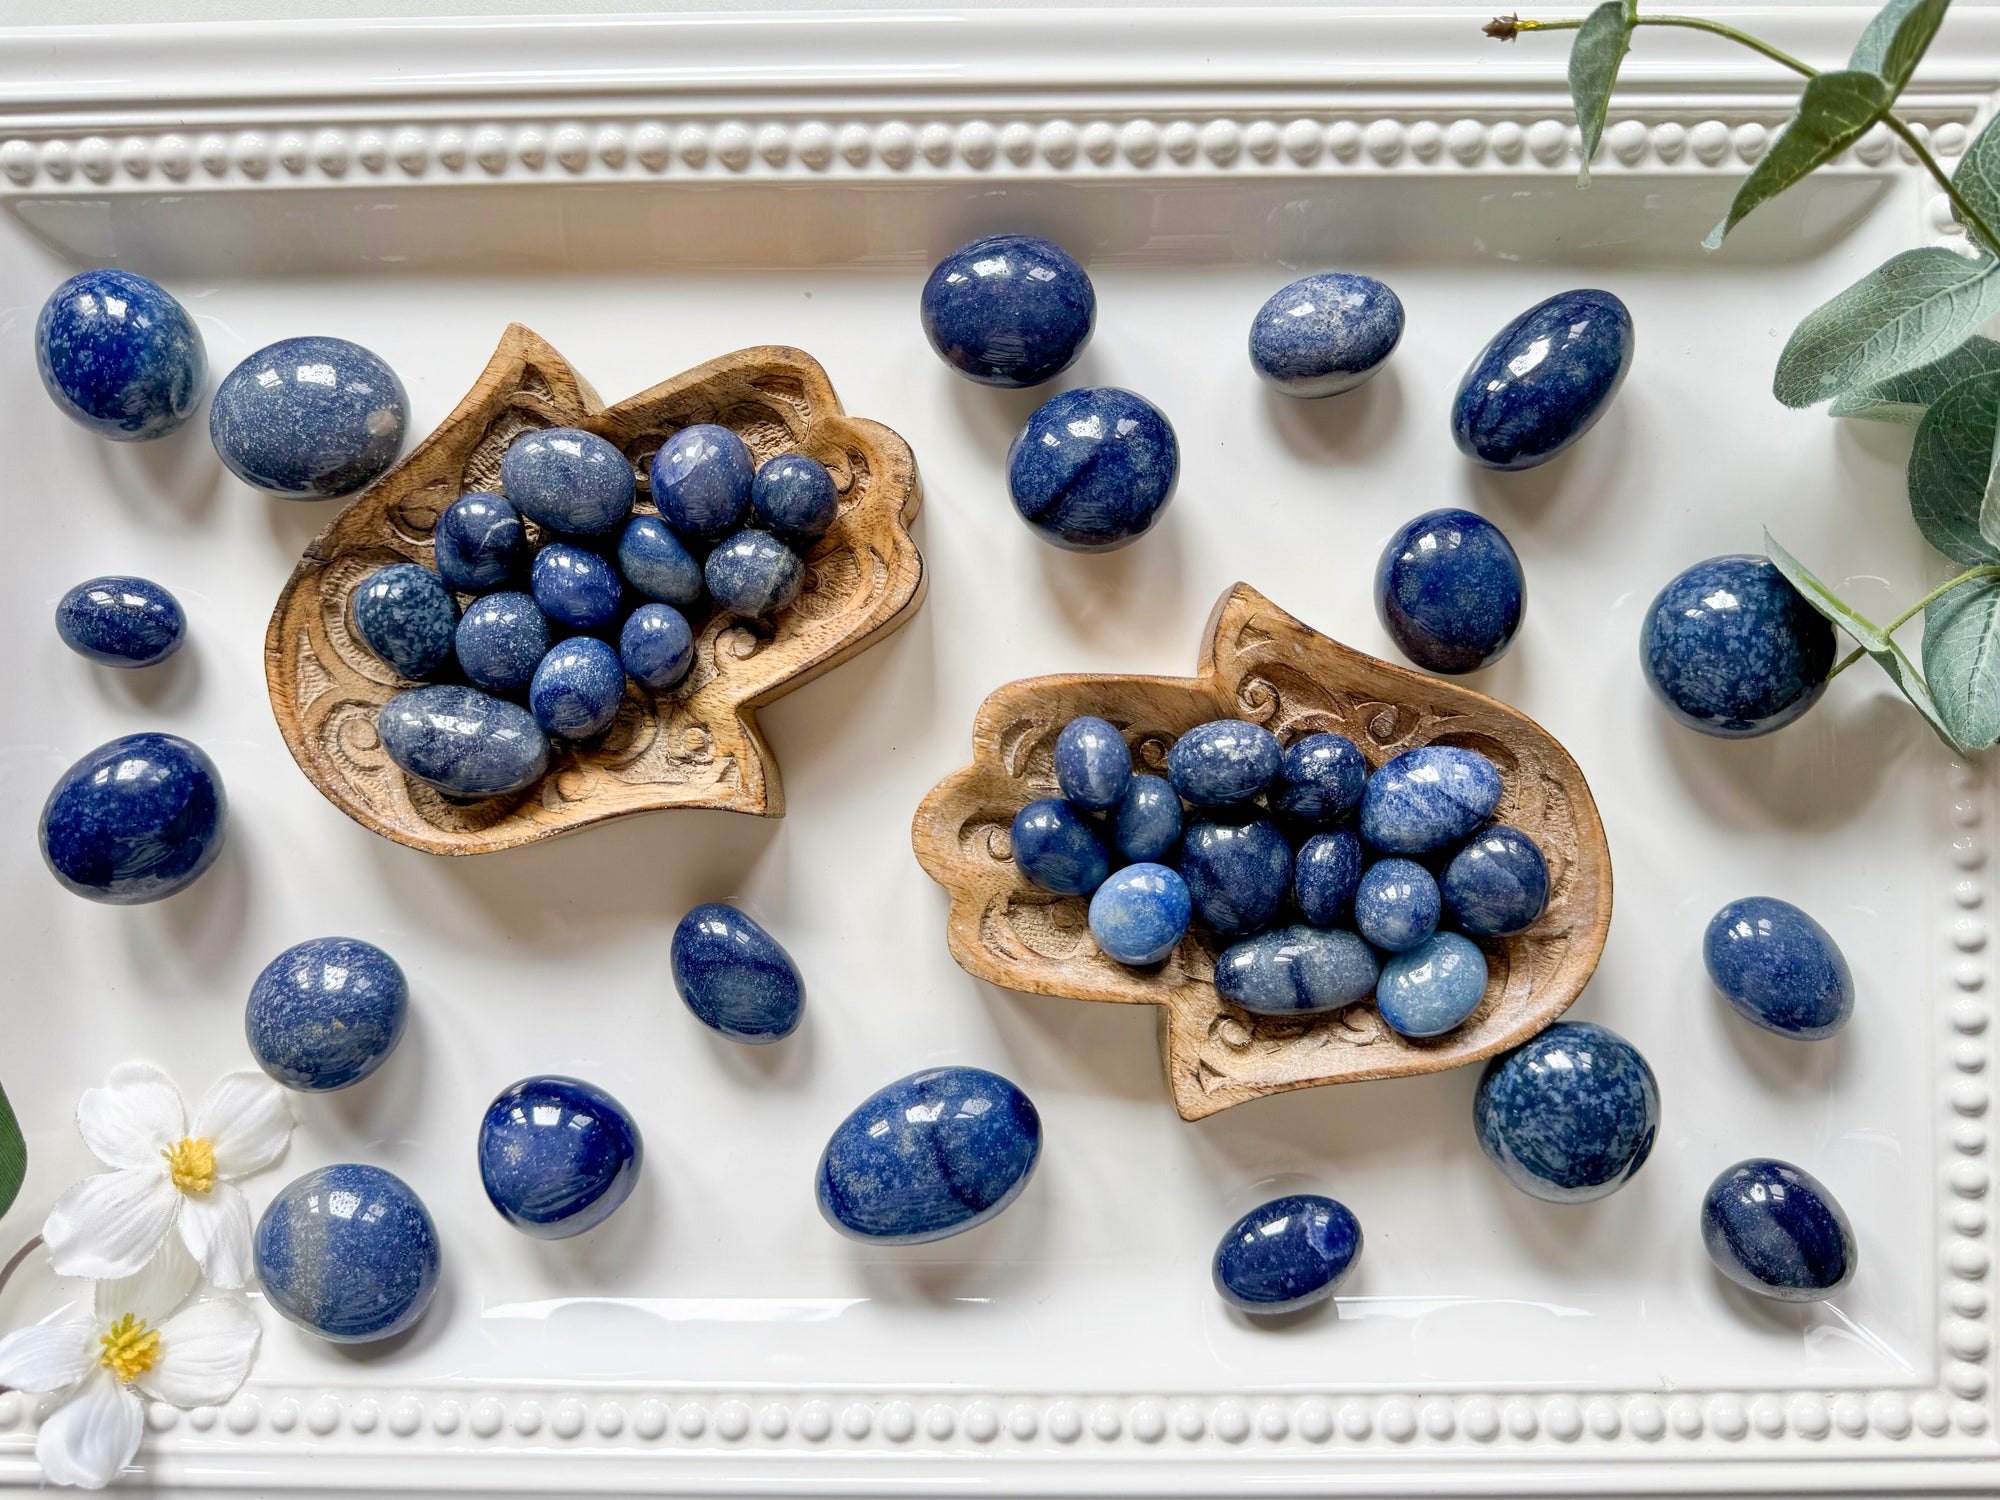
<point>557,1155</point>
<point>1778,968</point>
<point>1450,591</point>
<point>309,418</point>
<point>1140,914</point>
<point>575,588</point>
<point>1147,824</point>
<point>1544,380</point>
<point>1287,1254</point>
<point>119,621</point>
<point>1774,1229</point>
<point>1238,870</point>
<point>1325,334</point>
<point>1431,988</point>
<point>464,742</point>
<point>656,646</point>
<point>1427,798</point>
<point>655,563</point>
<point>1223,762</point>
<point>120,356</point>
<point>1319,779</point>
<point>1093,763</point>
<point>1008,310</point>
<point>1498,884</point>
<point>135,820</point>
<point>570,481</point>
<point>753,574</point>
<point>795,496</point>
<point>1570,1115</point>
<point>577,689</point>
<point>479,543</point>
<point>1057,849</point>
<point>325,1013</point>
<point>1733,650</point>
<point>735,976</point>
<point>1396,905</point>
<point>501,639</point>
<point>1093,469</point>
<point>701,480</point>
<point>348,1252</point>
<point>406,616</point>
<point>1326,872</point>
<point>1296,971</point>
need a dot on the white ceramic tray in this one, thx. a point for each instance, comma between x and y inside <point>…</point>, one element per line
<point>647,195</point>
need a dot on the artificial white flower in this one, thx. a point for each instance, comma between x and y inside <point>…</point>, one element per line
<point>167,1175</point>
<point>142,1339</point>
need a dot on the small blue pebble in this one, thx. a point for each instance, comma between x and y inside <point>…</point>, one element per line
<point>557,1156</point>
<point>1056,848</point>
<point>1093,763</point>
<point>1287,1254</point>
<point>1008,310</point>
<point>479,544</point>
<point>325,1013</point>
<point>1544,380</point>
<point>1223,762</point>
<point>1396,906</point>
<point>348,1252</point>
<point>1319,779</point>
<point>656,646</point>
<point>1326,873</point>
<point>1733,650</point>
<point>701,480</point>
<point>657,565</point>
<point>501,639</point>
<point>309,418</point>
<point>1774,1229</point>
<point>1147,825</point>
<point>1238,869</point>
<point>406,616</point>
<point>735,976</point>
<point>120,621</point>
<point>569,481</point>
<point>1296,971</point>
<point>1427,798</point>
<point>463,742</point>
<point>753,574</point>
<point>576,588</point>
<point>1325,334</point>
<point>1450,591</point>
<point>135,820</point>
<point>1432,987</point>
<point>795,496</point>
<point>1140,915</point>
<point>1779,968</point>
<point>120,356</point>
<point>1093,469</point>
<point>1498,884</point>
<point>1569,1115</point>
<point>575,692</point>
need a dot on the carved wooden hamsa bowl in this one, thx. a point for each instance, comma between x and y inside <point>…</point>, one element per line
<point>1261,664</point>
<point>695,745</point>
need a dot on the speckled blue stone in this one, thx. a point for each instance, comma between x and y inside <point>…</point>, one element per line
<point>120,356</point>
<point>1094,468</point>
<point>501,639</point>
<point>1140,914</point>
<point>735,976</point>
<point>753,574</point>
<point>932,1155</point>
<point>479,543</point>
<point>1497,884</point>
<point>1287,1254</point>
<point>1056,848</point>
<point>1544,380</point>
<point>135,820</point>
<point>1432,987</point>
<point>119,621</point>
<point>309,418</point>
<point>463,742</point>
<point>795,496</point>
<point>1319,779</point>
<point>656,646</point>
<point>1774,1229</point>
<point>1147,824</point>
<point>570,481</point>
<point>655,563</point>
<point>1427,798</point>
<point>1008,310</point>
<point>1238,870</point>
<point>1779,968</point>
<point>325,1013</point>
<point>1450,591</point>
<point>701,479</point>
<point>576,588</point>
<point>557,1156</point>
<point>1325,875</point>
<point>576,691</point>
<point>1570,1115</point>
<point>1396,906</point>
<point>348,1252</point>
<point>1223,762</point>
<point>406,616</point>
<point>1325,334</point>
<point>1093,763</point>
<point>1733,650</point>
<point>1296,971</point>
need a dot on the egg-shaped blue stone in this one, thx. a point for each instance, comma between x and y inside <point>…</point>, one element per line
<point>570,481</point>
<point>348,1252</point>
<point>1774,1229</point>
<point>1544,380</point>
<point>753,574</point>
<point>795,496</point>
<point>1296,970</point>
<point>701,479</point>
<point>1326,873</point>
<point>1325,334</point>
<point>119,621</point>
<point>309,418</point>
<point>575,692</point>
<point>1569,1115</point>
<point>1319,779</point>
<point>1497,884</point>
<point>576,588</point>
<point>120,355</point>
<point>657,646</point>
<point>135,820</point>
<point>1147,823</point>
<point>1450,591</point>
<point>557,1155</point>
<point>479,543</point>
<point>1140,914</point>
<point>1094,468</point>
<point>1733,650</point>
<point>735,976</point>
<point>1223,762</point>
<point>1093,763</point>
<point>1427,798</point>
<point>501,639</point>
<point>1431,988</point>
<point>463,742</point>
<point>655,563</point>
<point>1287,1254</point>
<point>1056,847</point>
<point>1778,968</point>
<point>1238,869</point>
<point>326,1013</point>
<point>1396,905</point>
<point>406,616</point>
<point>930,1156</point>
<point>1008,310</point>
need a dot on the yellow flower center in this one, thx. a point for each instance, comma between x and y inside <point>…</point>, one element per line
<point>191,1162</point>
<point>129,1348</point>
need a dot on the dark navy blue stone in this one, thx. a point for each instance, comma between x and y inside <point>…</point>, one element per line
<point>1238,870</point>
<point>501,639</point>
<point>795,496</point>
<point>463,742</point>
<point>656,646</point>
<point>1733,650</point>
<point>1093,763</point>
<point>1325,334</point>
<point>348,1252</point>
<point>1319,779</point>
<point>118,621</point>
<point>1450,591</point>
<point>655,562</point>
<point>1147,823</point>
<point>1325,875</point>
<point>479,544</point>
<point>1094,468</point>
<point>1431,988</point>
<point>1496,885</point>
<point>570,481</point>
<point>120,356</point>
<point>930,1156</point>
<point>406,616</point>
<point>1396,906</point>
<point>1008,310</point>
<point>1774,1229</point>
<point>1544,380</point>
<point>753,574</point>
<point>575,692</point>
<point>1140,914</point>
<point>557,1156</point>
<point>1570,1115</point>
<point>1427,798</point>
<point>325,1013</point>
<point>701,480</point>
<point>1056,847</point>
<point>1287,1254</point>
<point>1223,762</point>
<point>576,588</point>
<point>135,820</point>
<point>735,976</point>
<point>1779,968</point>
<point>1296,971</point>
<point>309,418</point>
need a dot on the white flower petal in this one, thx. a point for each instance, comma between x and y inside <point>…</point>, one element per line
<point>133,1118</point>
<point>216,1227</point>
<point>244,1116</point>
<point>156,1291</point>
<point>110,1225</point>
<point>89,1438</point>
<point>205,1351</point>
<point>48,1356</point>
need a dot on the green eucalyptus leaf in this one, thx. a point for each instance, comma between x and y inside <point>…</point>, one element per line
<point>1962,660</point>
<point>1835,111</point>
<point>1906,397</point>
<point>1910,311</point>
<point>1601,44</point>
<point>1895,40</point>
<point>1978,179</point>
<point>13,1154</point>
<point>1951,469</point>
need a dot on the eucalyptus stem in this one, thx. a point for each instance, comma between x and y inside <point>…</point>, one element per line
<point>1984,570</point>
<point>1965,212</point>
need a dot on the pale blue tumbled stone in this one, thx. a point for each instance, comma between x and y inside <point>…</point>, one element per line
<point>1433,987</point>
<point>1296,971</point>
<point>1396,905</point>
<point>1140,914</point>
<point>1325,334</point>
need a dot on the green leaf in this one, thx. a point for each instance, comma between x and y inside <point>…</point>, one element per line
<point>13,1155</point>
<point>1962,660</point>
<point>1601,44</point>
<point>1906,397</point>
<point>1978,179</point>
<point>1951,469</point>
<point>1908,312</point>
<point>1896,39</point>
<point>1835,111</point>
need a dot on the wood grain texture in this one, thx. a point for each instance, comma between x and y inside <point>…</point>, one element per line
<point>696,745</point>
<point>1260,664</point>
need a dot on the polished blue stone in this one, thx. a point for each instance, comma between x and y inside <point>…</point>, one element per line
<point>1432,987</point>
<point>753,574</point>
<point>1497,884</point>
<point>406,616</point>
<point>795,496</point>
<point>1570,1115</point>
<point>120,621</point>
<point>309,418</point>
<point>325,1013</point>
<point>1008,310</point>
<point>557,1155</point>
<point>136,819</point>
<point>463,742</point>
<point>1238,869</point>
<point>570,481</point>
<point>479,544</point>
<point>701,480</point>
<point>1774,1229</point>
<point>501,639</point>
<point>1093,763</point>
<point>1093,469</point>
<point>1140,914</point>
<point>348,1252</point>
<point>1396,906</point>
<point>656,646</point>
<point>1296,971</point>
<point>735,976</point>
<point>1319,779</point>
<point>1733,649</point>
<point>930,1156</point>
<point>1544,380</point>
<point>1427,798</point>
<point>1147,823</point>
<point>1287,1254</point>
<point>575,692</point>
<point>1056,847</point>
<point>576,588</point>
<point>1223,762</point>
<point>1779,968</point>
<point>1450,591</point>
<point>655,563</point>
<point>120,356</point>
<point>1326,873</point>
<point>1325,334</point>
